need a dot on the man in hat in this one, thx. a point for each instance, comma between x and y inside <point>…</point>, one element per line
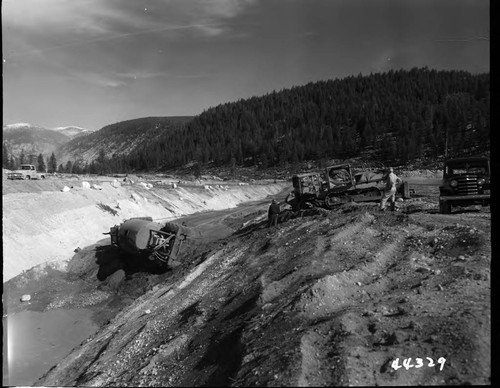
<point>272,214</point>
<point>390,190</point>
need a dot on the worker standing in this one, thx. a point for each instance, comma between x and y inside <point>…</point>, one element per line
<point>390,190</point>
<point>272,214</point>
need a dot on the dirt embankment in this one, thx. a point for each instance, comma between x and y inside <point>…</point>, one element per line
<point>43,223</point>
<point>327,298</point>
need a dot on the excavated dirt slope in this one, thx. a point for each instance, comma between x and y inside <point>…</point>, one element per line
<point>351,296</point>
<point>42,223</point>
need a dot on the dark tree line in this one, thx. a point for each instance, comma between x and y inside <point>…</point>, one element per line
<point>397,116</point>
<point>10,162</point>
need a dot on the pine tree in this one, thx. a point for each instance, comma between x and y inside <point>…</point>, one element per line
<point>52,165</point>
<point>343,117</point>
<point>12,163</point>
<point>5,156</point>
<point>40,165</point>
<point>69,167</point>
<point>22,157</point>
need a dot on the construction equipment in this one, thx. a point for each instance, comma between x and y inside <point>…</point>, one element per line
<point>466,181</point>
<point>144,238</point>
<point>340,184</point>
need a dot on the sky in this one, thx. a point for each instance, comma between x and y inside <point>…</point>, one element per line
<point>91,63</point>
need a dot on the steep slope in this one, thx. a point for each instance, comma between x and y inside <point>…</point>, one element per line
<point>42,223</point>
<point>350,296</point>
<point>326,299</point>
<point>118,139</point>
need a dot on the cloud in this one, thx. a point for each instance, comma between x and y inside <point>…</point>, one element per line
<point>116,79</point>
<point>224,8</point>
<point>140,75</point>
<point>62,23</point>
<point>99,79</point>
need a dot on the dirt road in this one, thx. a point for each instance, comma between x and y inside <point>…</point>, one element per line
<point>351,296</point>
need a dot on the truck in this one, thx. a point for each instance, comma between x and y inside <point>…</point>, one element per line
<point>466,181</point>
<point>25,171</point>
<point>145,239</point>
<point>340,184</point>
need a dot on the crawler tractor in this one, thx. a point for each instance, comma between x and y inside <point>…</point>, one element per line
<point>340,184</point>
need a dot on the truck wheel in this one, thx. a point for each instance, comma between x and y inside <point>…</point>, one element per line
<point>444,207</point>
<point>43,176</point>
<point>28,177</point>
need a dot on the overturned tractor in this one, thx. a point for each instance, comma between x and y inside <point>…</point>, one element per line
<point>143,238</point>
<point>340,184</point>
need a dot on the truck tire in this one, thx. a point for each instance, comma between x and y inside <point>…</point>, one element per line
<point>444,207</point>
<point>28,177</point>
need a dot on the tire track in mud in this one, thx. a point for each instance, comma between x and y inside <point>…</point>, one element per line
<point>333,291</point>
<point>329,297</point>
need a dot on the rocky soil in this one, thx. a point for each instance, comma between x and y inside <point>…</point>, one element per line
<point>351,296</point>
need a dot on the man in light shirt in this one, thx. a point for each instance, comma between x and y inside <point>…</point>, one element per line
<point>390,190</point>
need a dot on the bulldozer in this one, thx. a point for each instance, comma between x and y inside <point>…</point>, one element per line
<point>145,239</point>
<point>340,184</point>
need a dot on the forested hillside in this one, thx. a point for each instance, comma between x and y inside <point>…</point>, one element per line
<point>396,116</point>
<point>116,139</point>
<point>24,143</point>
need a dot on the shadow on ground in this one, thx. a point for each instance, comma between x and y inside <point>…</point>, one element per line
<point>111,259</point>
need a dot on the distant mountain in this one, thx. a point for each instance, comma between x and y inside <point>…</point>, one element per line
<point>31,140</point>
<point>34,140</point>
<point>118,139</point>
<point>72,131</point>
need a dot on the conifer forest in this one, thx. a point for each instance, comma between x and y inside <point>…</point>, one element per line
<point>396,117</point>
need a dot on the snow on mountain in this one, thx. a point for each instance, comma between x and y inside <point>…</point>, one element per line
<point>72,131</point>
<point>69,131</point>
<point>18,125</point>
<point>71,126</point>
<point>32,140</point>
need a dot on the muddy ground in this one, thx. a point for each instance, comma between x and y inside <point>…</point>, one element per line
<point>326,298</point>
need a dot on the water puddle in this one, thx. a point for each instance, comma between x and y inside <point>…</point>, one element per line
<point>34,341</point>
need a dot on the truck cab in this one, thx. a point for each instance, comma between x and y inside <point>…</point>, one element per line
<point>466,181</point>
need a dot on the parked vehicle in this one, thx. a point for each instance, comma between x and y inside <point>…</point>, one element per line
<point>340,184</point>
<point>466,181</point>
<point>25,171</point>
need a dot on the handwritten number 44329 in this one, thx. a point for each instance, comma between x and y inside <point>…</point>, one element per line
<point>418,363</point>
